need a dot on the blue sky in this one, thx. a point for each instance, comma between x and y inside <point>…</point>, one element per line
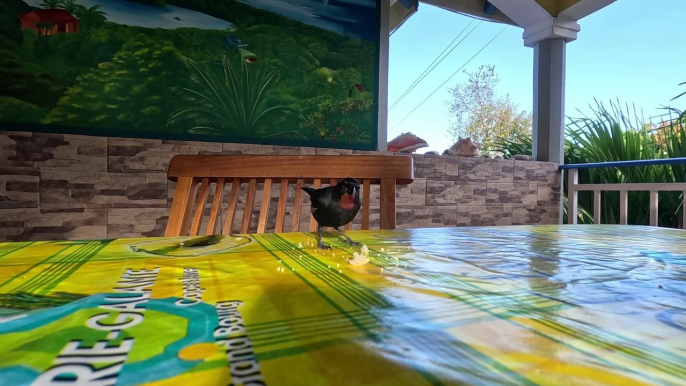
<point>628,50</point>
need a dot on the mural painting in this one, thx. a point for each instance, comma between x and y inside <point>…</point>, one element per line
<point>296,72</point>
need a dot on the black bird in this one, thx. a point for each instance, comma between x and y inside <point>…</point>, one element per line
<point>335,206</point>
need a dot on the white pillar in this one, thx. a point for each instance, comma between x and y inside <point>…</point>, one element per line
<point>549,100</point>
<point>548,35</point>
<point>382,87</point>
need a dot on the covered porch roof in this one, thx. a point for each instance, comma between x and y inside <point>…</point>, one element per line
<point>521,13</point>
<point>548,25</point>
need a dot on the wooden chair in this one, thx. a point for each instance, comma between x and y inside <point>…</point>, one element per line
<point>214,173</point>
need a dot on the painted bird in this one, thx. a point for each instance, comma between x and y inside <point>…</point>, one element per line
<point>335,207</point>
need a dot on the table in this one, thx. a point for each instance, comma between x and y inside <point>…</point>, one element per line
<point>489,305</point>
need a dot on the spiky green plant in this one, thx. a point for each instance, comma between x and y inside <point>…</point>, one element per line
<point>229,99</point>
<point>510,148</point>
<point>616,134</point>
<point>682,94</point>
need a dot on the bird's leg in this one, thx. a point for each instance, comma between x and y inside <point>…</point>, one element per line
<point>320,243</point>
<point>348,239</point>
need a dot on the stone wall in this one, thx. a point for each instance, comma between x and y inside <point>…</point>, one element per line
<point>78,187</point>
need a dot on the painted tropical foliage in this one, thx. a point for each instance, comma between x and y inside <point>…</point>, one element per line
<point>214,70</point>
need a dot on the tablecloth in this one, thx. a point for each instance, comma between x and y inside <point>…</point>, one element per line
<point>488,305</point>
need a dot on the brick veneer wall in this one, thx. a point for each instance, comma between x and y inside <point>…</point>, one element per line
<point>56,186</point>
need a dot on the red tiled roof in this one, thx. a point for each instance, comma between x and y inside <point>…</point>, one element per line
<point>406,143</point>
<point>53,15</point>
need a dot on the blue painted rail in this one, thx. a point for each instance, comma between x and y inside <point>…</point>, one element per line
<point>621,164</point>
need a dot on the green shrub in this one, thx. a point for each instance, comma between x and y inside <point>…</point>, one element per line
<point>614,134</point>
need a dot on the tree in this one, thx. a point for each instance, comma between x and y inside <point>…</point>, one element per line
<point>23,81</point>
<point>10,23</point>
<point>91,17</point>
<point>51,4</point>
<point>129,92</point>
<point>72,7</point>
<point>478,112</point>
<point>16,111</point>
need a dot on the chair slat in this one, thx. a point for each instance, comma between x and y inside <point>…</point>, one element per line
<point>264,210</point>
<point>313,223</point>
<point>247,210</point>
<point>216,206</point>
<point>281,210</point>
<point>200,206</point>
<point>387,204</point>
<point>297,206</point>
<point>189,208</point>
<point>177,224</point>
<point>231,209</point>
<point>366,197</point>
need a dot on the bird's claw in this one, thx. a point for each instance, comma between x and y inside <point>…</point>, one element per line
<point>353,243</point>
<point>321,245</point>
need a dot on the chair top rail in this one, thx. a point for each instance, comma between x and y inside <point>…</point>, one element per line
<point>616,164</point>
<point>367,167</point>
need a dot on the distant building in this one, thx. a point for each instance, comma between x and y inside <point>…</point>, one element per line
<point>658,131</point>
<point>661,131</point>
<point>50,21</point>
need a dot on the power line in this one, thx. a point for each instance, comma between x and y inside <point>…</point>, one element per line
<point>430,68</point>
<point>446,81</point>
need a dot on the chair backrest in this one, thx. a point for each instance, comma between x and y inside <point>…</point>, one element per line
<point>199,177</point>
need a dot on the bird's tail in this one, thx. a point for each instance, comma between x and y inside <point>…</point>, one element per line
<point>309,191</point>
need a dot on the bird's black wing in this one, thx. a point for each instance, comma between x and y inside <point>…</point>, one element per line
<point>322,199</point>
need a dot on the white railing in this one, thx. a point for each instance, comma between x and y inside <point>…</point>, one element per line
<point>573,188</point>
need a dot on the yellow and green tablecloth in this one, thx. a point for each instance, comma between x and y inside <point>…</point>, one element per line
<point>557,305</point>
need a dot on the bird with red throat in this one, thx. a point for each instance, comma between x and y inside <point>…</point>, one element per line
<point>335,206</point>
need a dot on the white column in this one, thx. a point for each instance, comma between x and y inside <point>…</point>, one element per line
<point>549,100</point>
<point>548,35</point>
<point>382,87</point>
